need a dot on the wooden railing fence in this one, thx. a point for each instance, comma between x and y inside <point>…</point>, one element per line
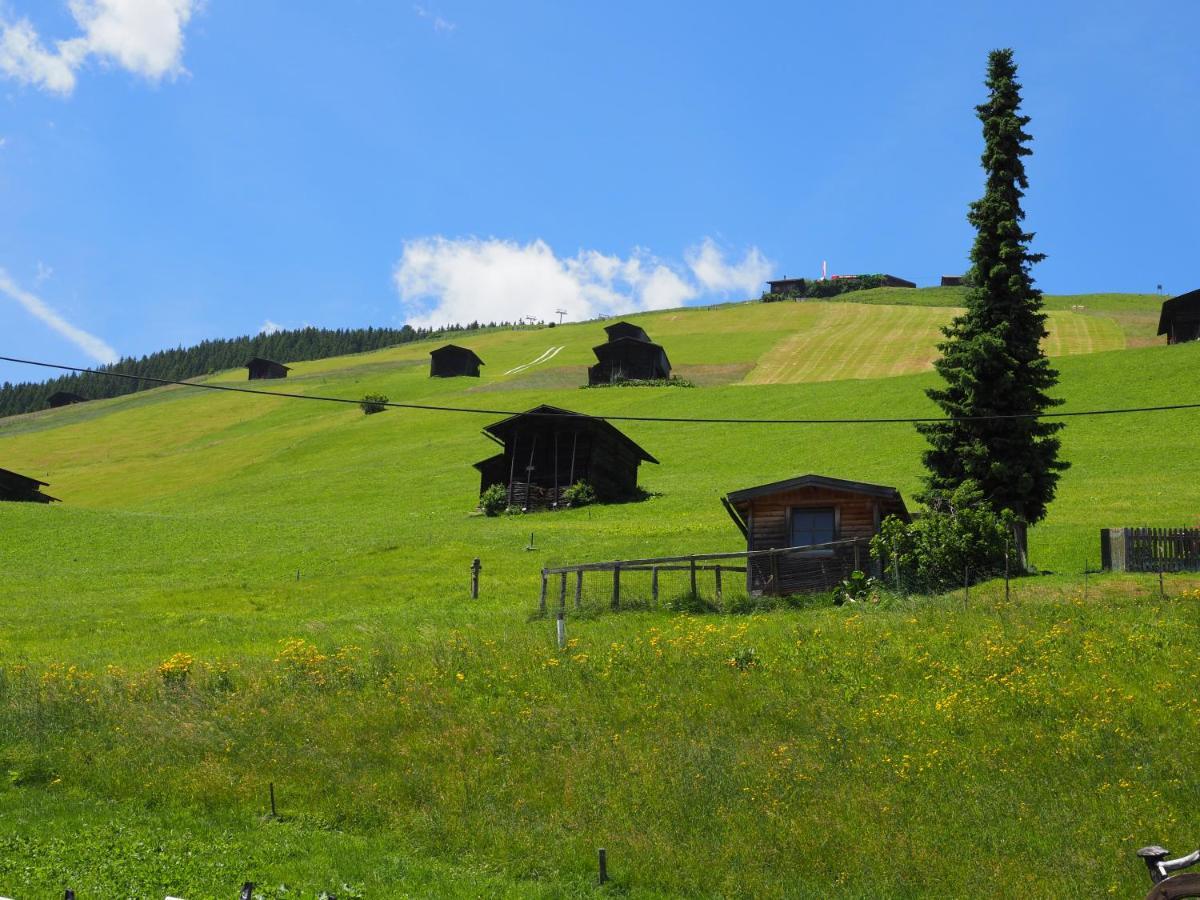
<point>1150,549</point>
<point>777,570</point>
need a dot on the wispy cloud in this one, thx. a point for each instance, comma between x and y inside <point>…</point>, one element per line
<point>441,280</point>
<point>144,37</point>
<point>43,273</point>
<point>88,343</point>
<point>269,327</point>
<point>438,23</point>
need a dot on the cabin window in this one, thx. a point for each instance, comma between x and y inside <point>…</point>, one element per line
<point>812,526</point>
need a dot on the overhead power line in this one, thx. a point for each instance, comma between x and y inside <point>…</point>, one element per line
<point>683,420</point>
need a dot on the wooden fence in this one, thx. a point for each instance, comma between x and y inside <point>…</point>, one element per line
<point>815,567</point>
<point>1150,549</point>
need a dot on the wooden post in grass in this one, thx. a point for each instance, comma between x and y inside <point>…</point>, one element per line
<point>542,599</point>
<point>1162,591</point>
<point>271,788</point>
<point>857,567</point>
<point>1006,571</point>
<point>717,574</point>
<point>562,592</point>
<point>616,593</point>
<point>774,572</point>
<point>692,566</point>
<point>966,585</point>
<point>562,629</point>
<point>578,588</point>
<point>475,567</point>
<point>603,866</point>
<point>654,585</point>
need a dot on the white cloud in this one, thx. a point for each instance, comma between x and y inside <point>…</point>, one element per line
<point>88,343</point>
<point>707,263</point>
<point>269,327</point>
<point>44,272</point>
<point>144,37</point>
<point>439,24</point>
<point>468,279</point>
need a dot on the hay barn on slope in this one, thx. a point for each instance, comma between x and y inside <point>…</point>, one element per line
<point>22,488</point>
<point>547,449</point>
<point>451,361</point>
<point>1180,318</point>
<point>266,368</point>
<point>628,355</point>
<point>804,511</point>
<point>63,398</point>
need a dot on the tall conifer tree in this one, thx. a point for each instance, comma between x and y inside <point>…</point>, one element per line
<point>992,359</point>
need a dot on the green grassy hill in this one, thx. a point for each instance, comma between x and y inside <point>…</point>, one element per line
<point>312,563</point>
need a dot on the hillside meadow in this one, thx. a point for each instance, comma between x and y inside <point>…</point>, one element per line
<point>241,590</point>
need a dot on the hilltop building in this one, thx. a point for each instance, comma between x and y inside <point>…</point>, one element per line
<point>22,488</point>
<point>787,286</point>
<point>63,398</point>
<point>451,361</point>
<point>806,511</point>
<point>628,355</point>
<point>952,281</point>
<point>266,368</point>
<point>547,449</point>
<point>1180,318</point>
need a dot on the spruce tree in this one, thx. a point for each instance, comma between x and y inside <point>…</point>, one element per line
<point>992,360</point>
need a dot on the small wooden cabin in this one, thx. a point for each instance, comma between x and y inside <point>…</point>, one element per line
<point>23,488</point>
<point>952,281</point>
<point>785,286</point>
<point>806,511</point>
<point>547,449</point>
<point>1180,318</point>
<point>266,368</point>
<point>451,361</point>
<point>628,355</point>
<point>63,398</point>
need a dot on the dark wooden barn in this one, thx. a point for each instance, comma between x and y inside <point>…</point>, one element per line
<point>952,281</point>
<point>628,355</point>
<point>811,509</point>
<point>452,360</point>
<point>547,449</point>
<point>785,286</point>
<point>63,398</point>
<point>1180,318</point>
<point>22,488</point>
<point>266,368</point>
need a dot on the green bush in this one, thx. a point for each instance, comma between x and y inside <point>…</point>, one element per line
<point>958,540</point>
<point>579,494</point>
<point>494,500</point>
<point>373,403</point>
<point>858,587</point>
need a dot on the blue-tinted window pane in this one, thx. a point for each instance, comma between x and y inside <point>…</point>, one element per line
<point>812,526</point>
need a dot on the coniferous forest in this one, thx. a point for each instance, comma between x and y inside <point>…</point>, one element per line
<point>212,356</point>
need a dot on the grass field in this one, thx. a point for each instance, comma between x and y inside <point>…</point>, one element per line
<point>312,564</point>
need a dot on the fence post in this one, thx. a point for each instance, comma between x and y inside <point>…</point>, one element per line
<point>475,567</point>
<point>896,565</point>
<point>857,567</point>
<point>562,629</point>
<point>654,585</point>
<point>562,592</point>
<point>578,588</point>
<point>774,562</point>
<point>966,585</point>
<point>717,573</point>
<point>542,599</point>
<point>603,866</point>
<point>616,595</point>
<point>692,566</point>
<point>1005,570</point>
<point>1162,593</point>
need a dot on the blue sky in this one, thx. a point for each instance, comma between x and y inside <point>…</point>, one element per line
<point>173,170</point>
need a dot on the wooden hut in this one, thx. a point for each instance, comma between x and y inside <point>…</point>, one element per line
<point>23,488</point>
<point>787,286</point>
<point>1180,318</point>
<point>627,355</point>
<point>452,360</point>
<point>952,281</point>
<point>63,398</point>
<point>547,449</point>
<point>807,511</point>
<point>266,368</point>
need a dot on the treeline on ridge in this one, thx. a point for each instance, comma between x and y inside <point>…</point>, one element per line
<point>207,357</point>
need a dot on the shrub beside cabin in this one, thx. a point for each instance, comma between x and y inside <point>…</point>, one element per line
<point>22,488</point>
<point>1180,318</point>
<point>628,355</point>
<point>451,361</point>
<point>547,449</point>
<point>266,368</point>
<point>807,512</point>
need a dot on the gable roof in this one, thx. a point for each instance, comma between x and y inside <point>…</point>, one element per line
<point>501,429</point>
<point>1174,306</point>
<point>23,480</point>
<point>455,349</point>
<point>602,350</point>
<point>259,359</point>
<point>620,330</point>
<point>834,484</point>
